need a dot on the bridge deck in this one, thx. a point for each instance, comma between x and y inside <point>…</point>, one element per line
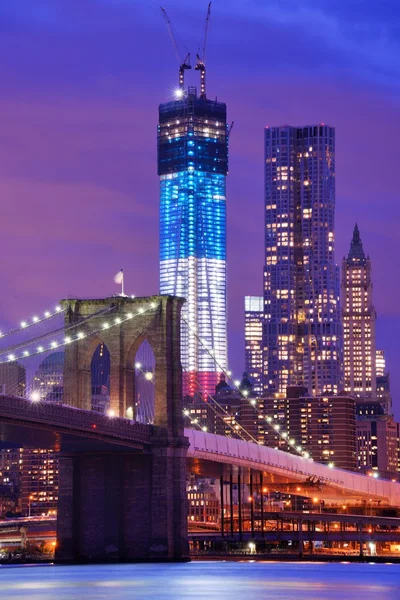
<point>66,422</point>
<point>220,449</point>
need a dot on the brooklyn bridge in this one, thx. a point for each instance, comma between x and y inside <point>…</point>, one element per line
<point>123,481</point>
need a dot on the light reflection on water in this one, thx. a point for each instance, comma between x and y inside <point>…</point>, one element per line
<point>203,581</point>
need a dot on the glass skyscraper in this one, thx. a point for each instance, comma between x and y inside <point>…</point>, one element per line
<point>302,326</point>
<point>192,165</point>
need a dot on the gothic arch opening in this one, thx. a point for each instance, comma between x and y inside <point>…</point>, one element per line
<point>144,383</point>
<point>100,367</point>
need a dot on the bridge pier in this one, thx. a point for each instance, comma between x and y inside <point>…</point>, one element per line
<point>126,503</point>
<point>123,506</point>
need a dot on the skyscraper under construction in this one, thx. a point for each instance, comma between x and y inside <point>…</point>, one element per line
<point>192,165</point>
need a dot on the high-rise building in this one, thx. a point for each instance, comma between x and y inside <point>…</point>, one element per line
<point>325,426</point>
<point>377,445</point>
<point>192,165</point>
<point>12,379</point>
<point>48,380</point>
<point>359,317</point>
<point>253,329</point>
<point>39,481</point>
<point>380,363</point>
<point>302,325</point>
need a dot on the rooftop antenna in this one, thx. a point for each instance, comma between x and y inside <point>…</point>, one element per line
<point>201,59</point>
<point>183,64</point>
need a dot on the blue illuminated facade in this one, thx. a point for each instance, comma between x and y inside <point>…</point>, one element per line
<point>192,165</point>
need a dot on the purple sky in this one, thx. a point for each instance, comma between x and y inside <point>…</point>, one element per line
<point>80,86</point>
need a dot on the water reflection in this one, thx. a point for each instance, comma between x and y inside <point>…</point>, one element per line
<point>203,581</point>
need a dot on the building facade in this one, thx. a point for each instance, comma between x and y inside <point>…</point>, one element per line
<point>47,382</point>
<point>377,445</point>
<point>302,337</point>
<point>325,426</point>
<point>253,333</point>
<point>192,166</point>
<point>12,379</point>
<point>359,319</point>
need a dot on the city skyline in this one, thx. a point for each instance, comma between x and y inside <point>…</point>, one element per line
<point>74,133</point>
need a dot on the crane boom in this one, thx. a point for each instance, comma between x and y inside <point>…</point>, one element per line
<point>183,63</point>
<point>201,60</point>
<point>203,57</point>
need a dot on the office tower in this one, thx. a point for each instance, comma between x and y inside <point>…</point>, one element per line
<point>39,481</point>
<point>10,480</point>
<point>377,445</point>
<point>48,380</point>
<point>302,325</point>
<point>325,426</point>
<point>359,317</point>
<point>12,379</point>
<point>253,325</point>
<point>192,165</point>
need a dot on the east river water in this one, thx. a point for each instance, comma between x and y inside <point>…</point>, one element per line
<point>203,581</point>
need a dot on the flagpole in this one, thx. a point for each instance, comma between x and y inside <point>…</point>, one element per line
<point>122,282</point>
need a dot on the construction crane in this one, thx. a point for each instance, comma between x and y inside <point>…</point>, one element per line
<point>183,64</point>
<point>201,60</point>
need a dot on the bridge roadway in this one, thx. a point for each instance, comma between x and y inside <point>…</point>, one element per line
<point>37,529</point>
<point>51,425</point>
<point>284,467</point>
<point>46,424</point>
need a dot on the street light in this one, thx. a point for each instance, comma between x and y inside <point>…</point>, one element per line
<point>266,491</point>
<point>315,500</point>
<point>29,505</point>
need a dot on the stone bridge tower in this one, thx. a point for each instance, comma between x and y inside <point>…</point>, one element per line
<point>116,504</point>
